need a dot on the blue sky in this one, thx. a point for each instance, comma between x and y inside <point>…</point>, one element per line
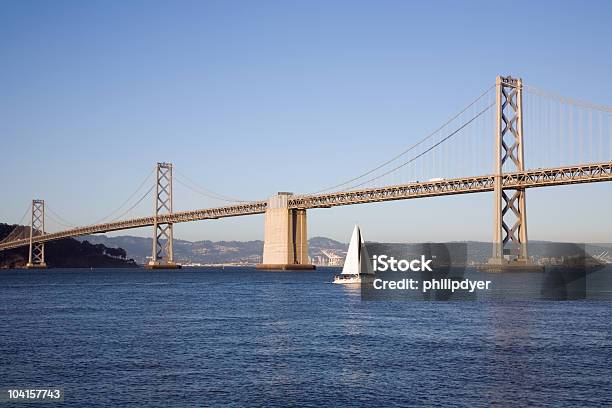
<point>249,98</point>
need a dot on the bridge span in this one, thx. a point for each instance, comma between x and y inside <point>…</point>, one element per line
<point>286,243</point>
<point>597,172</point>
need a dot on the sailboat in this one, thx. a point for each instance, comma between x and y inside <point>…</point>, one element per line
<point>357,267</point>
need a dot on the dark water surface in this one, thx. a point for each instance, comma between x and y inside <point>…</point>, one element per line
<point>240,337</point>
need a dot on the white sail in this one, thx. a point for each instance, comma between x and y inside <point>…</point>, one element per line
<point>357,259</point>
<point>351,263</point>
<point>365,261</point>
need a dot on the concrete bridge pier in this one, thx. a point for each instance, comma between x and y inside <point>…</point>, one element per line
<point>286,239</point>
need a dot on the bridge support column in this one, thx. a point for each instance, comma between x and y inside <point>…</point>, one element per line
<point>286,239</point>
<point>36,258</point>
<point>510,211</point>
<point>163,252</point>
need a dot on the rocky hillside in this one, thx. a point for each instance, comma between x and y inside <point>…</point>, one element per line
<point>64,253</point>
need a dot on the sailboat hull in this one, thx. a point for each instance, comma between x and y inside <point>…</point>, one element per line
<point>353,279</point>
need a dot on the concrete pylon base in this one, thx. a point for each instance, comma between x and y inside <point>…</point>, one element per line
<point>173,265</point>
<point>286,240</point>
<point>286,267</point>
<point>36,266</point>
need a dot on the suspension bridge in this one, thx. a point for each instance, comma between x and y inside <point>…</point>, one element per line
<point>559,130</point>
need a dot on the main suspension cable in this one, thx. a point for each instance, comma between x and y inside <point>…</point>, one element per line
<point>17,226</point>
<point>127,200</point>
<point>197,188</point>
<point>413,146</point>
<point>135,204</point>
<point>576,102</point>
<point>58,218</point>
<point>482,112</point>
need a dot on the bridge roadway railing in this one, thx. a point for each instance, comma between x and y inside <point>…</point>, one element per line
<point>257,207</point>
<point>588,173</point>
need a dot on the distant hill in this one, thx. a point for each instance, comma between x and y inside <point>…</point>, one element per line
<point>64,253</point>
<point>207,252</point>
<point>250,252</point>
<point>315,244</point>
<point>101,250</point>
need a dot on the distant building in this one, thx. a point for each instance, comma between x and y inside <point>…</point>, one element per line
<point>333,259</point>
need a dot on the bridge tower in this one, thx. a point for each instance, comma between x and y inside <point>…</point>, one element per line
<point>510,212</point>
<point>162,256</point>
<point>36,257</point>
<point>286,239</point>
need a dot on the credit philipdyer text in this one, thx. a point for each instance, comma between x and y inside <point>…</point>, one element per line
<point>383,263</point>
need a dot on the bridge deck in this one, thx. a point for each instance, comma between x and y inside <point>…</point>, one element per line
<point>588,173</point>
